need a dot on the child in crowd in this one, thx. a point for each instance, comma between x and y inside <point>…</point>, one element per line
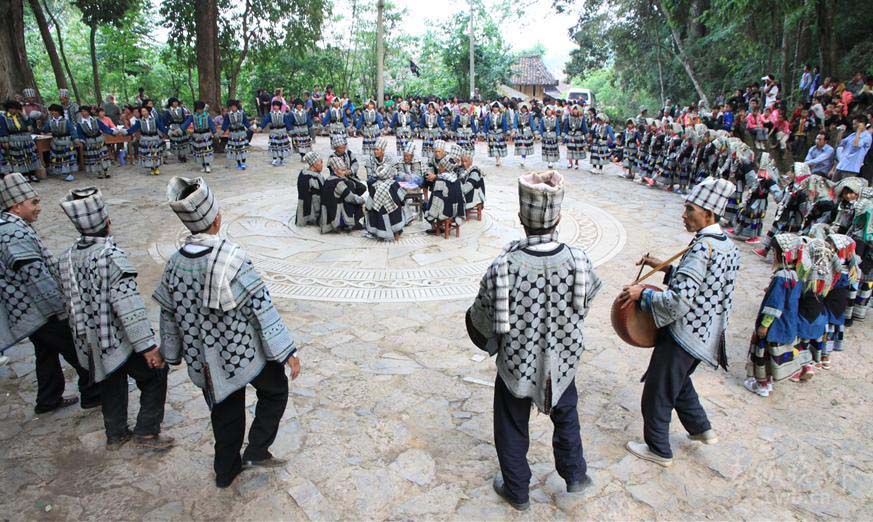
<point>837,303</point>
<point>815,271</point>
<point>772,356</point>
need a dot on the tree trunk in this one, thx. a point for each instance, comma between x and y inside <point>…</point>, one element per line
<point>380,53</point>
<point>39,15</point>
<point>787,83</point>
<point>686,62</point>
<point>233,72</point>
<point>191,83</point>
<point>660,73</point>
<point>827,38</point>
<point>15,72</point>
<point>95,71</point>
<point>57,25</point>
<point>208,57</point>
<point>696,28</point>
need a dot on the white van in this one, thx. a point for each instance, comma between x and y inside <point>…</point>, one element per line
<point>580,95</point>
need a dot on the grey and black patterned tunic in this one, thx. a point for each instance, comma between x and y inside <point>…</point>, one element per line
<point>30,294</point>
<point>539,356</point>
<point>127,329</point>
<point>551,130</point>
<point>224,351</point>
<point>696,304</point>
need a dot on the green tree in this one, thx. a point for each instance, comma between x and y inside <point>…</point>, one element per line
<point>94,14</point>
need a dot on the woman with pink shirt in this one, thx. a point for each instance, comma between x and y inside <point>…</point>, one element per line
<point>755,125</point>
<point>781,128</point>
<point>279,96</point>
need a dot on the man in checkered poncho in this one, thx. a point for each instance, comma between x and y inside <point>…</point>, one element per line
<point>113,335</point>
<point>31,304</point>
<point>530,311</point>
<point>692,316</point>
<point>217,315</point>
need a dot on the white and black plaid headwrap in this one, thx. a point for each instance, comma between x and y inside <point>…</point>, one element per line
<point>447,163</point>
<point>455,150</point>
<point>28,93</point>
<point>335,163</point>
<point>63,93</point>
<point>409,148</point>
<point>500,278</point>
<point>311,158</point>
<point>712,194</point>
<point>338,140</point>
<point>540,195</point>
<point>14,189</point>
<point>439,145</point>
<point>381,144</point>
<point>199,210</point>
<point>86,209</point>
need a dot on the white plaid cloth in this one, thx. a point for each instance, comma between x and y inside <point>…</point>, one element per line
<point>381,144</point>
<point>14,189</point>
<point>197,211</point>
<point>224,262</point>
<point>853,183</point>
<point>500,278</point>
<point>311,158</point>
<point>86,209</point>
<point>439,145</point>
<point>409,148</point>
<point>540,195</point>
<point>382,200</point>
<point>712,194</point>
<point>69,280</point>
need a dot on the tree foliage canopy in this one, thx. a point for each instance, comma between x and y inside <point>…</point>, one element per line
<point>730,43</point>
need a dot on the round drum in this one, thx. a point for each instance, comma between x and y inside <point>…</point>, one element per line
<point>635,327</point>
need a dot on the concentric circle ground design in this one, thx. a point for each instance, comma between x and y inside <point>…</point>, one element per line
<point>300,263</point>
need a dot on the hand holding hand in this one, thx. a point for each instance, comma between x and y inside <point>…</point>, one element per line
<point>153,358</point>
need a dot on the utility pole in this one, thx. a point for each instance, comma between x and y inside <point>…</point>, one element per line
<point>472,61</point>
<point>380,54</point>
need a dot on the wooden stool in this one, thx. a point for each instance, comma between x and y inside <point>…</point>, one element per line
<point>477,211</point>
<point>448,225</point>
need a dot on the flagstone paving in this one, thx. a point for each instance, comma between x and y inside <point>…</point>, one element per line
<point>391,417</point>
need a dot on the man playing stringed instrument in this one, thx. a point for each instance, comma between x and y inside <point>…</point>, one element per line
<point>691,315</point>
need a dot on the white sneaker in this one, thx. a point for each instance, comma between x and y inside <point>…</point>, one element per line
<point>752,385</point>
<point>274,163</point>
<point>202,169</point>
<point>208,169</point>
<point>707,437</point>
<point>641,450</point>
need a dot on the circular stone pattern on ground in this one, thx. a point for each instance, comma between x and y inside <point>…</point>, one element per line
<point>301,263</point>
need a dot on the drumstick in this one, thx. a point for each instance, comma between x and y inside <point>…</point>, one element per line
<point>662,265</point>
<point>642,266</point>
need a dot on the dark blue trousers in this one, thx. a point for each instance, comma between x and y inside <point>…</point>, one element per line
<point>511,438</point>
<point>667,387</point>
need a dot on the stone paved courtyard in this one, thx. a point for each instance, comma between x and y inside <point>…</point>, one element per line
<point>391,416</point>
